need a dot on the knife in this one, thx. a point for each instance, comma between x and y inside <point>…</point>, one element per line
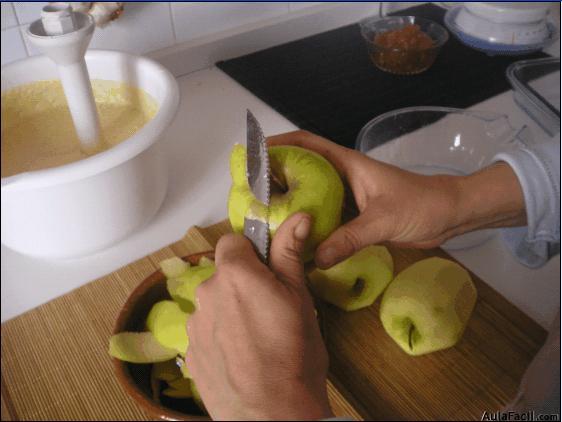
<point>258,174</point>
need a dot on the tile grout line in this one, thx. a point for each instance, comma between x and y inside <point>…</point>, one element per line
<point>15,13</point>
<point>22,35</point>
<point>13,7</point>
<point>172,23</point>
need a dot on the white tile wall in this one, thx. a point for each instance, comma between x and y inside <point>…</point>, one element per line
<point>28,11</point>
<point>390,7</point>
<point>8,15</point>
<point>12,46</point>
<point>143,27</point>
<point>194,20</point>
<point>302,5</point>
<point>147,27</point>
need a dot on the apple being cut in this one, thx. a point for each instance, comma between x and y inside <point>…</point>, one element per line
<point>356,282</point>
<point>427,306</point>
<point>302,180</point>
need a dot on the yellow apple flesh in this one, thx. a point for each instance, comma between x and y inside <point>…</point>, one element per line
<point>139,348</point>
<point>428,305</point>
<point>173,267</point>
<point>166,371</point>
<point>168,323</point>
<point>356,282</point>
<point>182,288</point>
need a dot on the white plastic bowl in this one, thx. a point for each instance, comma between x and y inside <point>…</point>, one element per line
<point>83,207</point>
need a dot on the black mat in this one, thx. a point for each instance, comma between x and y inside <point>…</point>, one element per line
<point>327,84</point>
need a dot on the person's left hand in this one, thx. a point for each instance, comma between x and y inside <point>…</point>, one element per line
<point>255,346</point>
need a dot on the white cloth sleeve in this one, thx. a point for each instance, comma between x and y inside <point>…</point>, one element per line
<point>537,167</point>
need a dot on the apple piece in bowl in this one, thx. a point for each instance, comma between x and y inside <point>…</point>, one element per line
<point>151,304</point>
<point>139,348</point>
<point>427,306</point>
<point>356,282</point>
<point>302,180</point>
<point>174,267</point>
<point>182,287</point>
<point>167,322</point>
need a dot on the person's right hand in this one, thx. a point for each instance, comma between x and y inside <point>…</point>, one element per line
<point>406,208</point>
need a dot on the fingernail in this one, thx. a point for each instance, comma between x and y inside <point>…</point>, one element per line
<point>326,256</point>
<point>303,228</point>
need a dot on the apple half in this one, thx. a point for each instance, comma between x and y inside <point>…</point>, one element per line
<point>356,282</point>
<point>427,306</point>
<point>302,180</point>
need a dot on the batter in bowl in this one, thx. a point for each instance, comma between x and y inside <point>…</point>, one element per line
<point>37,129</point>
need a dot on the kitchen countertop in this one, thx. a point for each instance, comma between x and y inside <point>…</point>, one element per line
<point>211,118</point>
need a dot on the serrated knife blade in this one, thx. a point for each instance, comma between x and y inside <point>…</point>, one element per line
<point>258,174</point>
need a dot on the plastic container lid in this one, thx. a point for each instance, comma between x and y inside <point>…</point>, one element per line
<point>536,85</point>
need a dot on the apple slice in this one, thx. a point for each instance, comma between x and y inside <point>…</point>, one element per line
<point>179,389</point>
<point>182,288</point>
<point>356,282</point>
<point>166,371</point>
<point>174,267</point>
<point>139,348</point>
<point>427,306</point>
<point>205,262</point>
<point>168,323</point>
<point>177,394</point>
<point>181,384</point>
<point>183,367</point>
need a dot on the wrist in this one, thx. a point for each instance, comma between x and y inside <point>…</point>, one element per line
<point>447,206</point>
<point>300,402</point>
<point>488,198</point>
<point>314,403</point>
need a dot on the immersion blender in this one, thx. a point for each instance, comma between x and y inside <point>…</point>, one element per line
<point>63,35</point>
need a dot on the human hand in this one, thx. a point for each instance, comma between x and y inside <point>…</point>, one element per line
<point>409,209</point>
<point>394,205</point>
<point>255,351</point>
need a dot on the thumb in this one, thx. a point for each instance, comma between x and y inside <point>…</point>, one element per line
<point>287,248</point>
<point>345,241</point>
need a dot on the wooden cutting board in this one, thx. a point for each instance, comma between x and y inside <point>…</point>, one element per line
<point>55,364</point>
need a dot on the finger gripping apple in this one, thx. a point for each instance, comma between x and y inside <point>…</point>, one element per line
<point>307,182</point>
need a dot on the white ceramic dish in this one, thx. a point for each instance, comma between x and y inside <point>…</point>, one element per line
<point>83,207</point>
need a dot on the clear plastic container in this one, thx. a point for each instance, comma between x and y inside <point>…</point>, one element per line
<point>536,86</point>
<point>439,140</point>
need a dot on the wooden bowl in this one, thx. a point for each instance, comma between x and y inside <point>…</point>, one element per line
<point>135,378</point>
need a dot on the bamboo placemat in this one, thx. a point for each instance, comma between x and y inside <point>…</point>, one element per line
<point>381,382</point>
<point>55,364</point>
